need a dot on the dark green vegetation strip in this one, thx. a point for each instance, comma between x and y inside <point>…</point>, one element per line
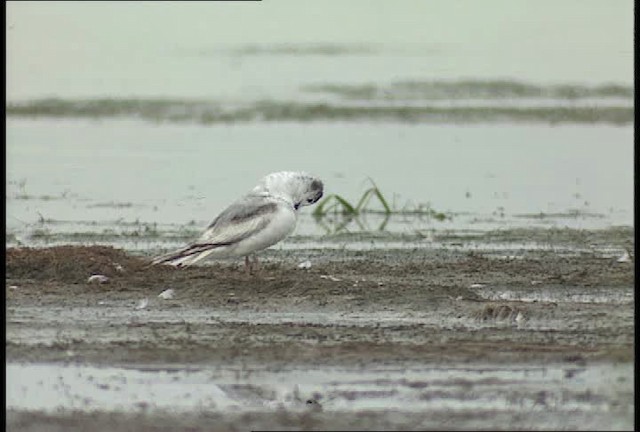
<point>471,89</point>
<point>211,113</point>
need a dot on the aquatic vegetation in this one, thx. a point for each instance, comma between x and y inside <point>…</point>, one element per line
<point>335,212</point>
<point>112,204</point>
<point>211,112</point>
<point>348,91</point>
<point>569,213</point>
<point>338,204</point>
<point>470,89</point>
<point>25,196</point>
<point>427,211</point>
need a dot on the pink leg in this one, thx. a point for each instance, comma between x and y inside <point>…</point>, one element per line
<point>251,265</point>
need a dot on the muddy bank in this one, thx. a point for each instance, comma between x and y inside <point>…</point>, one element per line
<point>366,314</point>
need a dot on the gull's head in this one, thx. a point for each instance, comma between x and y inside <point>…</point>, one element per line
<point>299,188</point>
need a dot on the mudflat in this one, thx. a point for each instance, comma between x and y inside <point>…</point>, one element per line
<point>413,338</point>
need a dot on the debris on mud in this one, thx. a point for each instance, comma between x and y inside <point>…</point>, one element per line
<point>142,304</point>
<point>98,279</point>
<point>167,294</point>
<point>501,312</point>
<point>305,265</point>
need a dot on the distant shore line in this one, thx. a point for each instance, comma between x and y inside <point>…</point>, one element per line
<point>200,112</point>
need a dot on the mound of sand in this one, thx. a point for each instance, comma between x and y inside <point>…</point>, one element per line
<point>69,263</point>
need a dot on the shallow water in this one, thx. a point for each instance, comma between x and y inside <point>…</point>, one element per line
<point>553,389</point>
<point>139,181</point>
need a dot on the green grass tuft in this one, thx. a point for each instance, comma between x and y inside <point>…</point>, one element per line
<point>338,204</point>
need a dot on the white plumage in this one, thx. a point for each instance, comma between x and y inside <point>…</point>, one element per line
<point>261,218</point>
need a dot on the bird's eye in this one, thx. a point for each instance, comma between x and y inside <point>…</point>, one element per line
<point>296,205</point>
<point>310,200</point>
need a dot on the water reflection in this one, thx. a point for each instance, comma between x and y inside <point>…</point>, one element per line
<point>458,390</point>
<point>336,224</point>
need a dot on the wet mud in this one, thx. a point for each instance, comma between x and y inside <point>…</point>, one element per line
<point>392,339</point>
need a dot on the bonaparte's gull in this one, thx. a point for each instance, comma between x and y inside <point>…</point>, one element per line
<point>261,218</point>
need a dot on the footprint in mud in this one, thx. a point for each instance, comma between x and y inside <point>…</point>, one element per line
<point>500,312</point>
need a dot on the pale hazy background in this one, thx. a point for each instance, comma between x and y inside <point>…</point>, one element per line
<point>85,48</point>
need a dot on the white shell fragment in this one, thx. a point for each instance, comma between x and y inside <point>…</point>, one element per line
<point>97,278</point>
<point>167,294</point>
<point>118,267</point>
<point>476,285</point>
<point>305,265</point>
<point>292,400</point>
<point>331,278</point>
<point>624,258</point>
<point>142,304</point>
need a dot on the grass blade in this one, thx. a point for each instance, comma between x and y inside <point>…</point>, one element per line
<point>347,208</point>
<point>320,211</point>
<point>364,199</point>
<point>387,209</point>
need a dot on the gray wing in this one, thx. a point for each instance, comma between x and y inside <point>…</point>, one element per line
<point>240,220</point>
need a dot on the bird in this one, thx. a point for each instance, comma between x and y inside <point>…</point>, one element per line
<point>261,218</point>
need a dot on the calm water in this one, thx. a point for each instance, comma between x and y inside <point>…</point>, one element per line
<point>72,170</point>
<point>119,170</point>
<point>494,128</point>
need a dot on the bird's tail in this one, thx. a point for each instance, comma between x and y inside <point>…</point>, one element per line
<point>186,256</point>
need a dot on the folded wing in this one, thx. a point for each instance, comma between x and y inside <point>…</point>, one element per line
<point>241,220</point>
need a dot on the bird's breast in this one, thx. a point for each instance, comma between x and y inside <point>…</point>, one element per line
<point>282,224</point>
